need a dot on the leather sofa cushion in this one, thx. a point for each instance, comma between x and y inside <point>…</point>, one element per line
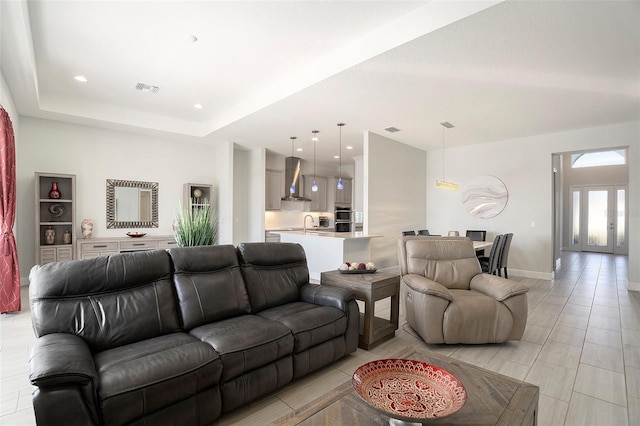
<point>473,317</point>
<point>273,272</point>
<point>310,324</point>
<point>246,343</point>
<point>131,299</point>
<point>209,284</point>
<point>144,377</point>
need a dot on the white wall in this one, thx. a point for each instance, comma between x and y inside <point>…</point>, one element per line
<point>248,194</point>
<point>394,194</point>
<point>95,155</point>
<point>524,165</point>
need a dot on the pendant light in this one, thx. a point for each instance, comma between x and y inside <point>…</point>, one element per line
<point>443,184</point>
<point>340,184</point>
<point>314,185</point>
<point>292,188</point>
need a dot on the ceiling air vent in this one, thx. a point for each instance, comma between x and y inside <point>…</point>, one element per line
<point>392,129</point>
<point>147,88</point>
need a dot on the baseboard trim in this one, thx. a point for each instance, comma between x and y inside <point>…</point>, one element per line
<point>531,274</point>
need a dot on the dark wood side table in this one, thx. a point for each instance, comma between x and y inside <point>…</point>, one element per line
<point>369,288</point>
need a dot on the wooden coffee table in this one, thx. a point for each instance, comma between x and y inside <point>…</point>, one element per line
<point>370,288</point>
<point>492,399</point>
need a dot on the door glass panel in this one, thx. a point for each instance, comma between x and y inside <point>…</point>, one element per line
<point>597,224</point>
<point>620,228</point>
<point>575,231</point>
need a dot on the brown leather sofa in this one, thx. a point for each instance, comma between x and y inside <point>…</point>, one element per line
<point>449,300</point>
<point>179,336</point>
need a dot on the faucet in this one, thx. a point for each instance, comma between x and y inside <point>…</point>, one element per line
<point>304,223</point>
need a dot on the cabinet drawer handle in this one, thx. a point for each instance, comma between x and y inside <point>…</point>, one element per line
<point>139,244</point>
<point>102,246</point>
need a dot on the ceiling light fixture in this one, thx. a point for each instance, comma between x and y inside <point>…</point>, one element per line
<point>314,185</point>
<point>340,185</point>
<point>443,184</point>
<point>81,78</point>
<point>198,106</point>
<point>292,188</point>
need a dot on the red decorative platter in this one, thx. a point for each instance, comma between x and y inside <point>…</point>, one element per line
<point>136,234</point>
<point>409,390</point>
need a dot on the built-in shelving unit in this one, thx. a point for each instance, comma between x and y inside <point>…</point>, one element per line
<point>196,195</point>
<point>55,220</point>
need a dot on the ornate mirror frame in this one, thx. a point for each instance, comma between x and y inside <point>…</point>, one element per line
<point>111,204</point>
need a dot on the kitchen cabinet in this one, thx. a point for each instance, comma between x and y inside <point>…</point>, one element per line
<point>318,198</point>
<point>343,196</point>
<point>273,186</point>
<point>55,215</point>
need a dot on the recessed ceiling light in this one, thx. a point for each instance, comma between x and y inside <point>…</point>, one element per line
<point>336,156</point>
<point>299,149</point>
<point>190,38</point>
<point>81,78</point>
<point>349,147</point>
<point>198,106</point>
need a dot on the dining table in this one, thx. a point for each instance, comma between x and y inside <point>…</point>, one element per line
<point>481,245</point>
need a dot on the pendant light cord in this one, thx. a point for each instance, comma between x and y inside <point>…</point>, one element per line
<point>443,153</point>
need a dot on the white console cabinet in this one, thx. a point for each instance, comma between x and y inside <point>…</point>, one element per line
<point>94,247</point>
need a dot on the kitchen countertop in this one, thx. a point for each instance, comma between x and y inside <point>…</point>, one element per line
<point>328,234</point>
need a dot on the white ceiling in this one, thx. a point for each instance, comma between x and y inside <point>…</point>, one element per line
<point>268,70</point>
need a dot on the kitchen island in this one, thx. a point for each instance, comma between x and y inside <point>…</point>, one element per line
<point>327,250</point>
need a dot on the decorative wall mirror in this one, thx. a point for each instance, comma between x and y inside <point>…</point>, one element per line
<point>132,204</point>
<point>484,196</point>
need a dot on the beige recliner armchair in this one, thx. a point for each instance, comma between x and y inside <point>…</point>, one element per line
<point>449,300</point>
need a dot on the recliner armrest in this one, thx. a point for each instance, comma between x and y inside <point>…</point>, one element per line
<point>424,285</point>
<point>62,361</point>
<point>60,358</point>
<point>327,295</point>
<point>497,287</point>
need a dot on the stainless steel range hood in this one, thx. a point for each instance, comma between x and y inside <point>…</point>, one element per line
<point>292,177</point>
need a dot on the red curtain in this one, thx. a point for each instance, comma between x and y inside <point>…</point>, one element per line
<point>9,272</point>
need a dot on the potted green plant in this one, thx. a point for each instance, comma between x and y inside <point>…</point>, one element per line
<point>196,225</point>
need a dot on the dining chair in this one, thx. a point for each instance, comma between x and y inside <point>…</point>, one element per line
<point>490,264</point>
<point>504,255</point>
<point>423,232</point>
<point>406,233</point>
<point>477,235</point>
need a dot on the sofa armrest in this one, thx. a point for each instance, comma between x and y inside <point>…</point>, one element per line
<point>59,363</point>
<point>497,287</point>
<point>424,285</point>
<point>327,295</point>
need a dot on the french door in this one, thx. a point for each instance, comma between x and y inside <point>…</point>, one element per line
<point>599,219</point>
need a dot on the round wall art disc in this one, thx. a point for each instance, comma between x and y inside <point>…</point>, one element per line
<point>484,196</point>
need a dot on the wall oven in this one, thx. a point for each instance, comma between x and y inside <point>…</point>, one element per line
<point>343,219</point>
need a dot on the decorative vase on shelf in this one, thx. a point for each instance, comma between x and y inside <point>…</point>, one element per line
<point>49,236</point>
<point>66,237</point>
<point>87,228</point>
<point>55,192</point>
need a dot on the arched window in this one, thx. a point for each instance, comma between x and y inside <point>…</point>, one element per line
<point>601,158</point>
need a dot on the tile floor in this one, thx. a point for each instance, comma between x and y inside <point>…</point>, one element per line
<point>581,347</point>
